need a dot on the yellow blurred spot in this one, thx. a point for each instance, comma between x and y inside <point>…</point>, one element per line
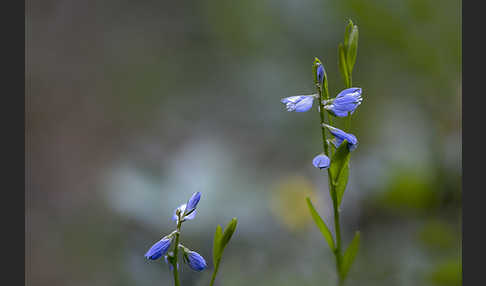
<point>288,202</point>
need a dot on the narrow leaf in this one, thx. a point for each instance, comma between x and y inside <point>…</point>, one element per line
<point>352,49</point>
<point>228,232</point>
<point>321,225</point>
<point>350,255</point>
<point>339,169</point>
<point>343,67</point>
<point>314,69</point>
<point>216,244</point>
<point>347,31</point>
<point>341,183</point>
<point>221,239</point>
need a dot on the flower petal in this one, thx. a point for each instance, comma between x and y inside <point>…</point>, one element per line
<point>340,136</point>
<point>321,161</point>
<point>320,73</point>
<point>196,261</point>
<point>298,103</point>
<point>305,104</point>
<point>181,208</point>
<point>292,99</point>
<point>350,91</point>
<point>346,101</point>
<point>191,215</point>
<point>158,249</point>
<point>193,201</point>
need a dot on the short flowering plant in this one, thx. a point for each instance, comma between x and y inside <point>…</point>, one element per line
<point>337,144</point>
<point>170,245</point>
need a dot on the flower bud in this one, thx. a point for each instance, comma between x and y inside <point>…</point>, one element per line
<point>321,161</point>
<point>159,248</point>
<point>320,73</point>
<point>195,260</point>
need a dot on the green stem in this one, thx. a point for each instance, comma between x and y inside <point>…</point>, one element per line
<point>175,271</point>
<point>216,267</point>
<point>337,250</point>
<point>337,225</point>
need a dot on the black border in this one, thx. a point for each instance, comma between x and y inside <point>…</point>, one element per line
<point>13,139</point>
<point>473,158</point>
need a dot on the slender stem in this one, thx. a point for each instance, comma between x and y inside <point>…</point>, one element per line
<point>323,129</point>
<point>216,267</point>
<point>337,225</point>
<point>175,271</point>
<point>332,186</point>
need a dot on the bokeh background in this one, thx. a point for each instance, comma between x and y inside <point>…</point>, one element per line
<point>132,106</point>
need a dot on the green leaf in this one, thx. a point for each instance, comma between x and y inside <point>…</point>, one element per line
<point>341,183</point>
<point>352,48</point>
<point>347,31</point>
<point>343,67</point>
<point>216,244</point>
<point>221,239</point>
<point>314,69</point>
<point>349,255</point>
<point>321,225</point>
<point>228,232</point>
<point>339,169</point>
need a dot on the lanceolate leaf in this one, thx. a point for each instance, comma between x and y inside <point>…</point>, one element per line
<point>352,49</point>
<point>342,182</point>
<point>228,232</point>
<point>350,255</point>
<point>321,225</point>
<point>343,67</point>
<point>216,244</point>
<point>221,239</point>
<point>339,169</point>
<point>349,28</point>
<point>314,69</point>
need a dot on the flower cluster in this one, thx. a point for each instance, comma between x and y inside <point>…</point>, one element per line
<point>344,104</point>
<point>161,248</point>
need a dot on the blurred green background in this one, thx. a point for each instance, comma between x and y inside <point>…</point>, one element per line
<point>134,105</point>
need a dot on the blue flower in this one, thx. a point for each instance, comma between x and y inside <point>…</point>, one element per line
<point>192,203</point>
<point>299,103</point>
<point>195,260</point>
<point>340,136</point>
<point>188,211</point>
<point>321,161</point>
<point>158,249</point>
<point>181,209</point>
<point>346,101</point>
<point>320,73</point>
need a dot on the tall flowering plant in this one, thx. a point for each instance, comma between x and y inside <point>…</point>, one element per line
<point>170,245</point>
<point>337,144</point>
